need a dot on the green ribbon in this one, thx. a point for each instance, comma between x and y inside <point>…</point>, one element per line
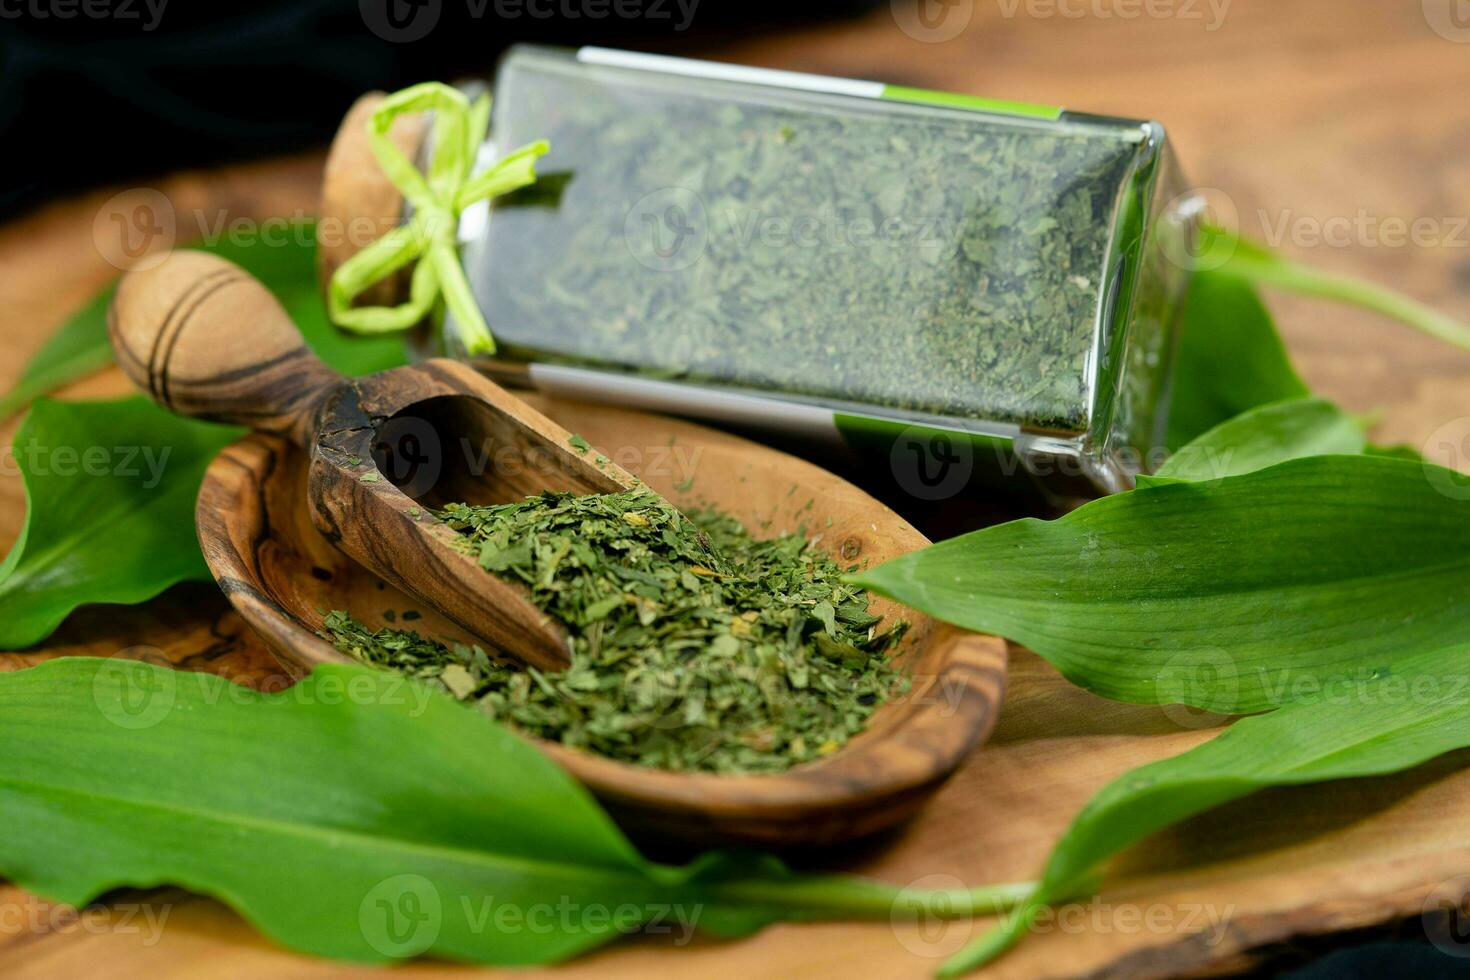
<point>438,198</point>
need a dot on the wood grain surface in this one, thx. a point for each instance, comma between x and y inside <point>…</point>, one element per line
<point>204,338</point>
<point>1311,114</point>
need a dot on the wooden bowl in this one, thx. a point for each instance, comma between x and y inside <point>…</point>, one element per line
<point>281,575</point>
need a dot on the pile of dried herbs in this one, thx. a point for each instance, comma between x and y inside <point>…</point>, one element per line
<point>694,645</point>
<point>928,262</point>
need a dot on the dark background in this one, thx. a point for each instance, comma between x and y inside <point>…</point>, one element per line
<point>87,100</point>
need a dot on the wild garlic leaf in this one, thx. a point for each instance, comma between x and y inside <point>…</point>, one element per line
<point>287,268</point>
<point>1244,260</point>
<point>110,486</point>
<point>110,490</point>
<point>77,349</point>
<point>1397,718</point>
<point>1221,595</point>
<point>1262,437</point>
<point>1398,451</point>
<point>1230,358</point>
<point>357,815</point>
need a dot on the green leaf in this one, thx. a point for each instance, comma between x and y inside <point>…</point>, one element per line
<point>110,490</point>
<point>1235,257</point>
<point>1265,436</point>
<point>115,531</point>
<point>1220,595</point>
<point>288,269</point>
<point>357,815</point>
<point>73,352</point>
<point>1230,360</point>
<point>1399,451</point>
<point>1393,720</point>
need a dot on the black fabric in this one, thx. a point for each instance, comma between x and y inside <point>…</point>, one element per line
<point>1387,961</point>
<point>107,91</point>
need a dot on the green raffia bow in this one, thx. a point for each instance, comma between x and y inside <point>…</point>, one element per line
<point>430,235</point>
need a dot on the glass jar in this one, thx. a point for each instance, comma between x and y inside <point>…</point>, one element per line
<point>829,257</point>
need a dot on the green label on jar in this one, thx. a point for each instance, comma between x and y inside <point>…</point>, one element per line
<point>924,96</point>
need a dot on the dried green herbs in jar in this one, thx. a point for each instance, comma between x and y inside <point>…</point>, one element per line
<point>835,246</point>
<point>695,646</point>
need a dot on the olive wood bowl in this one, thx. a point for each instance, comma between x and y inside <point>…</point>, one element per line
<point>282,575</point>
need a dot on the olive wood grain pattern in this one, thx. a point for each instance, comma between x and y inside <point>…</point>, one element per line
<point>203,338</point>
<point>280,573</point>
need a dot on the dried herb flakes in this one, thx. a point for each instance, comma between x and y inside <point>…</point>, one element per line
<point>694,645</point>
<point>933,262</point>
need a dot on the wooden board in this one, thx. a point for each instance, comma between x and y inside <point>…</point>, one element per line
<point>1306,112</point>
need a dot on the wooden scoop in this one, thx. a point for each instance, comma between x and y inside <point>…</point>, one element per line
<point>205,339</point>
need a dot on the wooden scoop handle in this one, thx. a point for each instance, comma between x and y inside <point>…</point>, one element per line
<point>204,338</point>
